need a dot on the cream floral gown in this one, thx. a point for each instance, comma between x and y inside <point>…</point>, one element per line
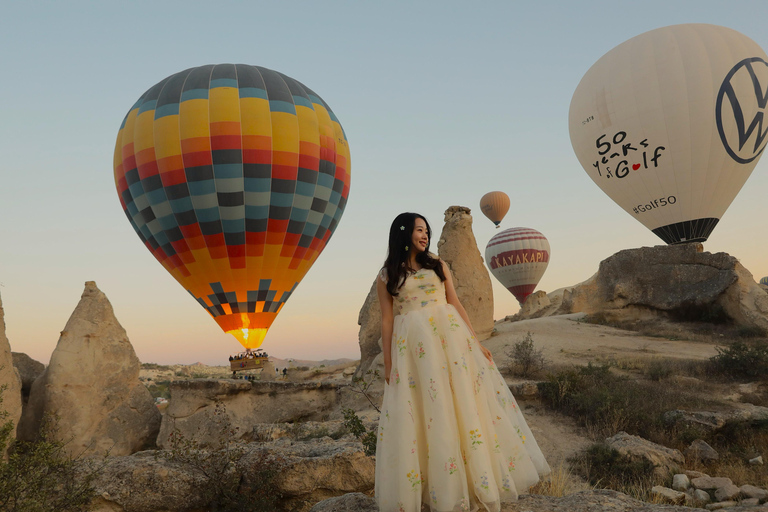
<point>451,434</point>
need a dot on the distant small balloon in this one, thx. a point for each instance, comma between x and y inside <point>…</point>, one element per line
<point>764,281</point>
<point>518,257</point>
<point>495,206</point>
<point>670,124</point>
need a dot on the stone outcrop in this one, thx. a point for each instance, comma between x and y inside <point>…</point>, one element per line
<point>310,472</point>
<point>9,377</point>
<point>458,248</point>
<point>193,411</point>
<point>352,502</point>
<point>663,459</point>
<point>92,386</point>
<point>678,281</point>
<point>29,370</point>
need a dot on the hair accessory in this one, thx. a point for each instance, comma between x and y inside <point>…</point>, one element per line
<point>406,247</point>
<point>402,228</point>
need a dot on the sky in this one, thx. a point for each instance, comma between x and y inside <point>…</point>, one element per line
<point>441,102</point>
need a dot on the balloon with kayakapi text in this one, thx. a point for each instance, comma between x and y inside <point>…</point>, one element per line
<point>234,177</point>
<point>518,257</point>
<point>495,206</point>
<point>670,124</point>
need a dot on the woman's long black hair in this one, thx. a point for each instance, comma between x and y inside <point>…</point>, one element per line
<point>396,264</point>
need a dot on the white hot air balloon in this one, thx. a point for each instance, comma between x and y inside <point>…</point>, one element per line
<point>518,257</point>
<point>670,125</point>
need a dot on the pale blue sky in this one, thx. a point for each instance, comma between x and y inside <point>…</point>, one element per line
<point>441,102</point>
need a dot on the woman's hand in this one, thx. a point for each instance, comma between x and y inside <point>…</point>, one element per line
<point>387,371</point>
<point>486,353</point>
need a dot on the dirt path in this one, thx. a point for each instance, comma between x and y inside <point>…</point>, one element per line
<point>566,341</point>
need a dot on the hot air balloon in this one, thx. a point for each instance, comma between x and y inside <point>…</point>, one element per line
<point>518,257</point>
<point>670,125</point>
<point>764,280</point>
<point>234,177</point>
<point>495,206</point>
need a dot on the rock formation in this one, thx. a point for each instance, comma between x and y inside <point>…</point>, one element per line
<point>193,410</point>
<point>9,377</point>
<point>636,448</point>
<point>29,370</point>
<point>680,282</point>
<point>92,386</point>
<point>458,248</point>
<point>312,471</point>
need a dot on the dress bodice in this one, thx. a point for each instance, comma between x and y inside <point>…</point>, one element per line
<point>421,289</point>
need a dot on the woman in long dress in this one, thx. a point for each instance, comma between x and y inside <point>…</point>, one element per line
<point>451,436</point>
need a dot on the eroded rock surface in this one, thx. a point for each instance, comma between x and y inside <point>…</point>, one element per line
<point>92,385</point>
<point>458,248</point>
<point>9,376</point>
<point>664,459</point>
<point>29,370</point>
<point>678,281</point>
<point>193,411</point>
<point>310,472</point>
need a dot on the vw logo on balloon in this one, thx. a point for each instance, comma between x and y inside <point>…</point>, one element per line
<point>744,110</point>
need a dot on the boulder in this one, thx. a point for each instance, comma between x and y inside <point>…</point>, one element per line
<point>28,369</point>
<point>665,460</point>
<point>680,482</point>
<point>198,408</point>
<point>9,377</point>
<point>750,491</point>
<point>352,502</point>
<point>710,483</point>
<point>676,281</point>
<point>458,248</point>
<point>727,492</point>
<point>667,494</point>
<point>92,386</point>
<point>699,450</point>
<point>700,496</point>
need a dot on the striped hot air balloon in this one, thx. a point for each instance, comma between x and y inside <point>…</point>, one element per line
<point>764,281</point>
<point>234,177</point>
<point>518,257</point>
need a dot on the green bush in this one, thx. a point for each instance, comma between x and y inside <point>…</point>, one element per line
<point>40,476</point>
<point>605,467</point>
<point>229,484</point>
<point>742,360</point>
<point>527,359</point>
<point>356,427</point>
<point>606,403</point>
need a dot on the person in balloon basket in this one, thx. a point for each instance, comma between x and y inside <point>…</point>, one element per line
<point>451,436</point>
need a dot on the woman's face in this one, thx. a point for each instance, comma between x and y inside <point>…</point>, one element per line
<point>419,238</point>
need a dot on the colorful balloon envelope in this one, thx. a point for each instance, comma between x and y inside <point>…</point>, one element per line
<point>234,177</point>
<point>764,281</point>
<point>495,206</point>
<point>670,125</point>
<point>518,257</point>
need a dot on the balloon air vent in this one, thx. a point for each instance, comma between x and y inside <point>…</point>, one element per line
<point>697,230</point>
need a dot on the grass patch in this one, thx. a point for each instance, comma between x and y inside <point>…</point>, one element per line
<point>606,403</point>
<point>742,360</point>
<point>160,389</point>
<point>604,467</point>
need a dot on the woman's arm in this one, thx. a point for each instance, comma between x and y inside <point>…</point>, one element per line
<point>453,299</point>
<point>387,320</point>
